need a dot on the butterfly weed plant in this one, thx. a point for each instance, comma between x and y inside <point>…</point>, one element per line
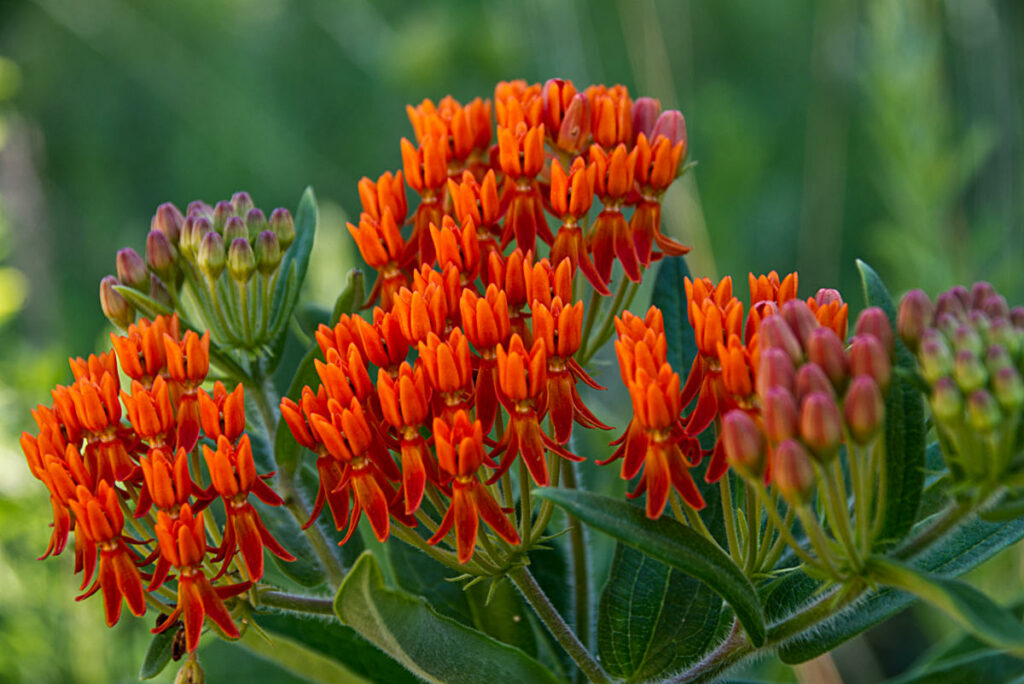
<point>416,476</point>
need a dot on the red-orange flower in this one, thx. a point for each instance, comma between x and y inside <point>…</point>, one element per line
<point>656,166</point>
<point>183,545</point>
<point>479,202</point>
<point>383,248</point>
<point>566,115</point>
<point>426,172</point>
<point>612,112</point>
<point>460,452</point>
<point>487,324</point>
<point>223,413</point>
<point>405,405</point>
<point>572,195</point>
<point>611,237</point>
<point>449,367</point>
<point>188,362</point>
<point>521,155</point>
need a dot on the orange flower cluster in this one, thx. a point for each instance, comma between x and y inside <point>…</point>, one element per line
<point>99,468</point>
<point>449,363</point>
<point>556,150</point>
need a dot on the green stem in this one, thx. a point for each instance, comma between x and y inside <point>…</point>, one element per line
<point>580,566</point>
<point>534,595</point>
<point>782,527</point>
<point>525,505</point>
<point>311,605</point>
<point>588,324</point>
<point>609,321</point>
<point>753,514</point>
<point>730,518</point>
<point>839,510</point>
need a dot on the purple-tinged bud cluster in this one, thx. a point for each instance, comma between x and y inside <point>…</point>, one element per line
<point>192,251</point>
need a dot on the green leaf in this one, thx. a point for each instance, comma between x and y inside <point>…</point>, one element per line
<point>984,666</point>
<point>433,647</point>
<point>669,542</point>
<point>905,429</point>
<point>158,654</point>
<point>973,610</point>
<point>143,302</point>
<point>286,293</point>
<point>966,547</point>
<point>652,618</point>
<point>322,649</point>
<point>669,295</point>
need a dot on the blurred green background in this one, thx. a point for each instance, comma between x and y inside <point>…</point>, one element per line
<point>890,130</point>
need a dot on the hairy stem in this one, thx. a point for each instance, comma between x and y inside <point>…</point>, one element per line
<point>580,566</point>
<point>296,603</point>
<point>535,596</point>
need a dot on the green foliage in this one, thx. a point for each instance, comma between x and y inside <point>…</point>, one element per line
<point>433,647</point>
<point>158,654</point>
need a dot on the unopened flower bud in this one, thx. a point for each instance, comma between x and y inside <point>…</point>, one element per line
<point>197,208</point>
<point>868,357</point>
<point>793,472</point>
<point>168,220</point>
<point>672,125</point>
<point>211,257</point>
<point>160,254</point>
<point>997,357</point>
<point>281,223</point>
<point>158,292</point>
<point>256,222</point>
<point>915,315</point>
<point>574,131</point>
<point>241,202</point>
<point>781,418</point>
<point>946,401</point>
<point>821,426</point>
<point>774,369</point>
<point>983,411</point>
<point>801,319</point>
<point>996,307</point>
<point>192,233</point>
<point>873,321</point>
<point>234,228</point>
<point>241,260</point>
<point>775,333</point>
<point>645,113</point>
<point>827,295</point>
<point>1017,317</point>
<point>825,349</point>
<point>935,355</point>
<point>744,444</point>
<point>811,378</point>
<point>1008,337</point>
<point>190,673</point>
<point>948,323</point>
<point>221,213</point>
<point>1008,388</point>
<point>268,252</point>
<point>980,291</point>
<point>967,337</point>
<point>969,371</point>
<point>131,269</point>
<point>116,308</point>
<point>864,409</point>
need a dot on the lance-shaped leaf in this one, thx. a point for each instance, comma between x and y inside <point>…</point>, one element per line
<point>905,431</point>
<point>671,543</point>
<point>295,262</point>
<point>158,654</point>
<point>433,647</point>
<point>974,611</point>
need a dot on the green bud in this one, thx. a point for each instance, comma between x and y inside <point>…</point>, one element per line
<point>168,220</point>
<point>190,673</point>
<point>946,401</point>
<point>1008,388</point>
<point>161,255</point>
<point>983,411</point>
<point>997,357</point>
<point>268,252</point>
<point>241,260</point>
<point>256,222</point>
<point>242,203</point>
<point>221,213</point>
<point>234,229</point>
<point>969,371</point>
<point>967,337</point>
<point>116,308</point>
<point>1004,334</point>
<point>935,356</point>
<point>158,291</point>
<point>281,223</point>
<point>211,255</point>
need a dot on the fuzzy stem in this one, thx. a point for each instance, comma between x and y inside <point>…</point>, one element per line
<point>311,605</point>
<point>580,566</point>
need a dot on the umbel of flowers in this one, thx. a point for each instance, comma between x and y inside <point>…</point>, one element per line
<point>448,408</point>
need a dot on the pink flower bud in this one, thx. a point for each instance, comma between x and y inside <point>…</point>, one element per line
<point>915,315</point>
<point>996,307</point>
<point>980,291</point>
<point>825,349</point>
<point>212,257</point>
<point>868,357</point>
<point>969,371</point>
<point>672,125</point>
<point>946,401</point>
<point>281,223</point>
<point>160,254</point>
<point>821,426</point>
<point>997,357</point>
<point>234,229</point>
<point>864,409</point>
<point>197,208</point>
<point>873,321</point>
<point>268,252</point>
<point>222,211</point>
<point>116,308</point>
<point>241,203</point>
<point>952,302</point>
<point>780,414</point>
<point>256,222</point>
<point>935,355</point>
<point>574,132</point>
<point>966,337</point>
<point>775,333</point>
<point>168,220</point>
<point>811,378</point>
<point>131,269</point>
<point>801,319</point>
<point>743,443</point>
<point>793,472</point>
<point>827,295</point>
<point>645,113</point>
<point>775,369</point>
<point>1017,317</point>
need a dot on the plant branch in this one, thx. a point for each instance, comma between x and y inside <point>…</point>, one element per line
<point>311,605</point>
